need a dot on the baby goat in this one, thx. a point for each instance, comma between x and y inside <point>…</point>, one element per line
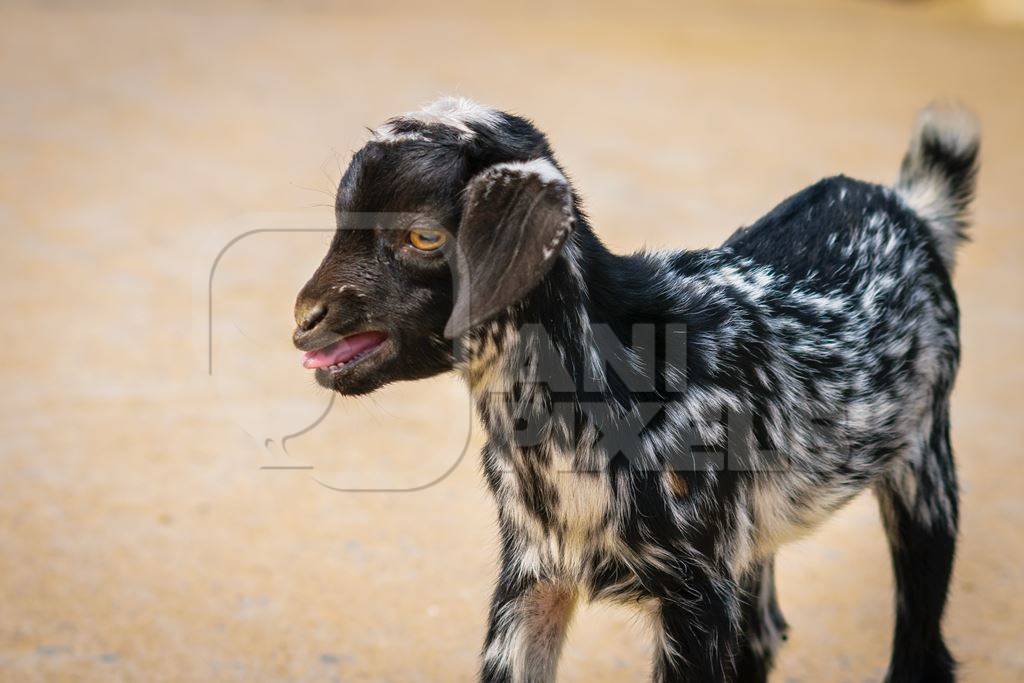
<point>660,423</point>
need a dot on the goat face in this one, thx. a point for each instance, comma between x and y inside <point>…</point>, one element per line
<point>444,219</point>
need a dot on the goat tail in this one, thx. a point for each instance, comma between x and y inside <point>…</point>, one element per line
<point>938,172</point>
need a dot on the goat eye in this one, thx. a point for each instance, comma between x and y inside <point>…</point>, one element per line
<point>426,239</point>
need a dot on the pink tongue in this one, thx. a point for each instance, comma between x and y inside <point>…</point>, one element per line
<point>342,351</point>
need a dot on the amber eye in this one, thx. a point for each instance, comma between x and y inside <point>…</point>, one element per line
<point>425,239</point>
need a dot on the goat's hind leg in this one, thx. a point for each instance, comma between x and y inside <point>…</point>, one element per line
<point>918,502</point>
<point>763,626</point>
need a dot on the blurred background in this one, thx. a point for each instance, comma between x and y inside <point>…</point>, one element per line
<point>166,179</point>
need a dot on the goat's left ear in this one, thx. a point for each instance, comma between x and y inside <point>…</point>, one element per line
<point>516,218</point>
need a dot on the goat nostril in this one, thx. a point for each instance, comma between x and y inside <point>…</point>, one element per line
<point>309,319</point>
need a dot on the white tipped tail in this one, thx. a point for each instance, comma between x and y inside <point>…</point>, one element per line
<point>937,176</point>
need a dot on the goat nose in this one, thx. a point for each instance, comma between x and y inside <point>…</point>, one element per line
<point>307,317</point>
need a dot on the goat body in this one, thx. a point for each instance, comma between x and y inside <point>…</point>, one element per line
<point>659,424</point>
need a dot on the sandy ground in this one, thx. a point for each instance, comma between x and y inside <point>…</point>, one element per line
<point>147,528</point>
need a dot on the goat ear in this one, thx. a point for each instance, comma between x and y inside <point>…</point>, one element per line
<point>516,218</point>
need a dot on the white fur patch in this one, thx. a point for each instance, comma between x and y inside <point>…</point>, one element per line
<point>956,127</point>
<point>545,171</point>
<point>455,112</point>
<point>929,199</point>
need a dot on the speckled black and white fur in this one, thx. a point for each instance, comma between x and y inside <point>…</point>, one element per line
<point>659,424</point>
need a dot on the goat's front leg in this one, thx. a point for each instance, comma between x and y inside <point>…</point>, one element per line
<point>529,618</point>
<point>696,633</point>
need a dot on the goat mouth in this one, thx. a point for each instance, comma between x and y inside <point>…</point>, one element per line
<point>344,353</point>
